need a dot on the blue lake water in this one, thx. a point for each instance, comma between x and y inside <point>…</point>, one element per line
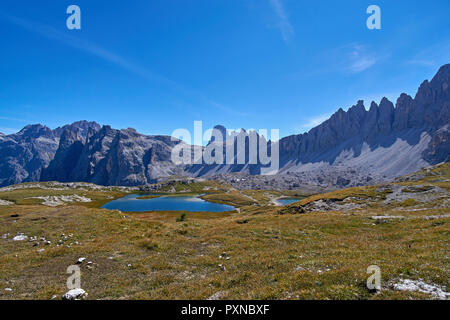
<point>130,203</point>
<point>284,202</point>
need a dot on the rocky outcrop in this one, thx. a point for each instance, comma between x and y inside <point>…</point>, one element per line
<point>412,134</point>
<point>83,126</point>
<point>360,146</point>
<point>353,147</point>
<point>112,157</point>
<point>66,157</point>
<point>25,154</point>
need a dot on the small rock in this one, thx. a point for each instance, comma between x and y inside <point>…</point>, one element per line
<point>217,296</point>
<point>299,268</point>
<point>75,294</point>
<point>54,297</point>
<point>47,243</point>
<point>36,244</point>
<point>222,267</point>
<point>8,289</point>
<point>20,237</point>
<point>41,250</point>
<point>421,286</point>
<point>81,260</point>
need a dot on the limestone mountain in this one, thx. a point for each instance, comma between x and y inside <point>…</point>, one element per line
<point>112,157</point>
<point>23,155</point>
<point>386,140</point>
<point>353,147</point>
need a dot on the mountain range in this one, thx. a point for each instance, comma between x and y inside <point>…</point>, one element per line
<point>352,147</point>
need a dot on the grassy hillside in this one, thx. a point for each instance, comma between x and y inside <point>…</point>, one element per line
<point>318,248</point>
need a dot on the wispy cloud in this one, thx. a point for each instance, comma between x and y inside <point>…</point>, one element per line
<point>313,122</point>
<point>433,56</point>
<point>109,56</point>
<point>422,63</point>
<point>285,26</point>
<point>227,109</point>
<point>14,119</point>
<point>360,59</point>
<point>86,46</point>
<point>8,130</point>
<point>351,58</point>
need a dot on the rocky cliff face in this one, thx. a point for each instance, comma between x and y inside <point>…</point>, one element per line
<point>384,139</point>
<point>83,126</point>
<point>353,147</point>
<point>238,144</point>
<point>361,146</point>
<point>112,157</point>
<point>23,155</point>
<point>70,145</point>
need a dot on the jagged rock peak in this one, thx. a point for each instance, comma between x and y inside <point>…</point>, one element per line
<point>83,125</point>
<point>35,131</point>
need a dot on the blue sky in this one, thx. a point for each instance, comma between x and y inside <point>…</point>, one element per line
<point>159,65</point>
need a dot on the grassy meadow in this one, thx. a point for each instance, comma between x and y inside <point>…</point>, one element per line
<point>260,251</point>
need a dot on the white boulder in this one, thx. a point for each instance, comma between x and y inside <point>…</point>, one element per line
<point>20,237</point>
<point>75,294</point>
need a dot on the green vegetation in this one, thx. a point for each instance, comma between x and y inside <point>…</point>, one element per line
<point>162,255</point>
<point>149,196</point>
<point>408,203</point>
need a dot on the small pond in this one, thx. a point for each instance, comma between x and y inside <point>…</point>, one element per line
<point>131,203</point>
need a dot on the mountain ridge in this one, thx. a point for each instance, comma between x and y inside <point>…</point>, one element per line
<point>381,142</point>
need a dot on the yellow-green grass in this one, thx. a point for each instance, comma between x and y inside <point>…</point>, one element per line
<point>271,256</point>
<point>185,186</point>
<point>28,196</point>
<point>317,255</point>
<point>162,194</point>
<point>374,196</point>
<point>234,198</point>
<point>149,196</point>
